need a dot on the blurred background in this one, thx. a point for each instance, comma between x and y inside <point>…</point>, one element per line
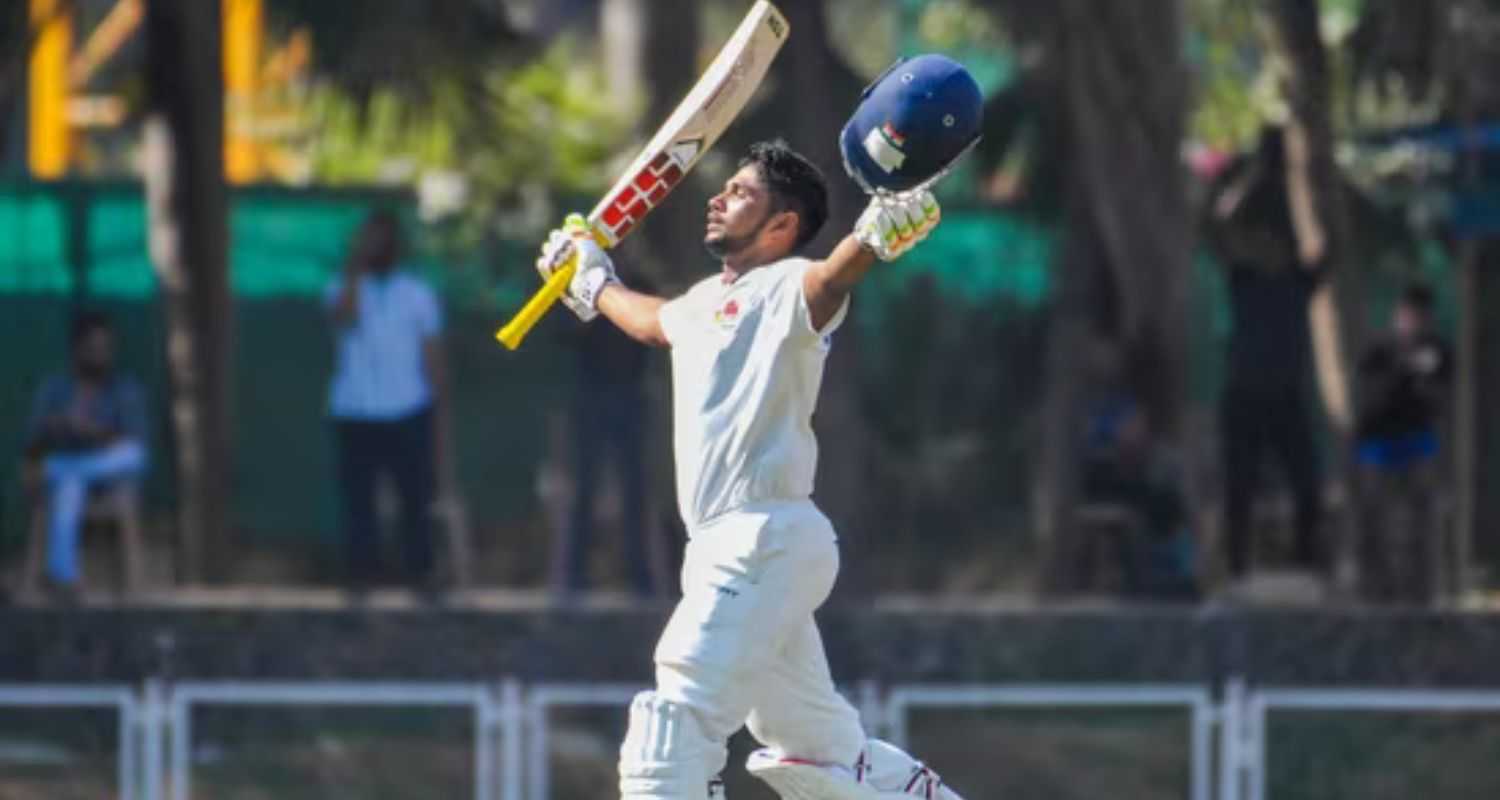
<point>1190,384</point>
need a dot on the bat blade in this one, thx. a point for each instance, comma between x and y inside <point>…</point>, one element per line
<point>697,123</point>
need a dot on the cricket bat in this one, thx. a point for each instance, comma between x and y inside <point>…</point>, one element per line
<point>697,123</point>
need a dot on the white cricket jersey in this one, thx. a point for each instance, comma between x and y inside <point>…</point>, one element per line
<point>746,368</point>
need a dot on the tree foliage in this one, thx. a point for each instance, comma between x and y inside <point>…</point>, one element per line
<point>408,91</point>
<point>538,124</point>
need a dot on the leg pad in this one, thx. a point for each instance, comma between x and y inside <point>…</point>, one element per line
<point>666,756</point>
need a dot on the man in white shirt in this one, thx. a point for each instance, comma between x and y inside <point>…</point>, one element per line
<point>748,347</point>
<point>387,399</point>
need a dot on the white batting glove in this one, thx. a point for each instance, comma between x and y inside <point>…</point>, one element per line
<point>595,270</point>
<point>893,223</point>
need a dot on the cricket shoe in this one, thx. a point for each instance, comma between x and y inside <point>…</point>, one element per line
<point>882,772</point>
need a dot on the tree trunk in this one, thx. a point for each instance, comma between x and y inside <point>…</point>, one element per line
<point>1467,421</point>
<point>1127,262</point>
<point>188,227</point>
<point>1477,382</point>
<point>1070,331</point>
<point>1318,211</point>
<point>1482,545</point>
<point>1314,192</point>
<point>16,36</point>
<point>622,50</point>
<point>674,237</point>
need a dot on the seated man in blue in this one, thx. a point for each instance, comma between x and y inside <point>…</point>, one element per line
<point>87,429</point>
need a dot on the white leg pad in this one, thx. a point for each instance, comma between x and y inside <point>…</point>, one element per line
<point>882,772</point>
<point>665,755</point>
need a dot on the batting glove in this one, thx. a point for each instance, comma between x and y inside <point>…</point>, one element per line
<point>893,223</point>
<point>594,272</point>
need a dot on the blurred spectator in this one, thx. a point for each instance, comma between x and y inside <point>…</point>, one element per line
<point>609,420</point>
<point>1125,466</point>
<point>1265,409</point>
<point>387,399</point>
<point>87,432</point>
<point>1404,381</point>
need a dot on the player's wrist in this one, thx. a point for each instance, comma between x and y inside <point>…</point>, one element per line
<point>591,283</point>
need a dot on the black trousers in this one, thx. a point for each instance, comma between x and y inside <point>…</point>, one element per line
<point>401,448</point>
<point>1401,541</point>
<point>1262,424</point>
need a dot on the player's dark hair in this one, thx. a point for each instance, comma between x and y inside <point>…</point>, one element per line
<point>1418,297</point>
<point>85,323</point>
<point>795,185</point>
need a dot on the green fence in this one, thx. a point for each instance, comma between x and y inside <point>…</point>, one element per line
<point>65,247</point>
<point>69,245</point>
<point>949,342</point>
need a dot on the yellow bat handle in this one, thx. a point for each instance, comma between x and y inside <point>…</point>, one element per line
<point>527,318</point>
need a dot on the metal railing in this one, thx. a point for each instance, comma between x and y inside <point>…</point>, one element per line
<point>482,699</point>
<point>1258,704</point>
<point>1197,699</point>
<point>121,698</point>
<point>512,733</point>
<point>540,701</point>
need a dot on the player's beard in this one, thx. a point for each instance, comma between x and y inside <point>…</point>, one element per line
<point>726,245</point>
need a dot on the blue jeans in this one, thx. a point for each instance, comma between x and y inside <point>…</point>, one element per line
<point>69,478</point>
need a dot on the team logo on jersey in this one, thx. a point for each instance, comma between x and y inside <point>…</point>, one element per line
<point>728,314</point>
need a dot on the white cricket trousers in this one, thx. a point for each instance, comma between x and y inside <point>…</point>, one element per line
<point>742,647</point>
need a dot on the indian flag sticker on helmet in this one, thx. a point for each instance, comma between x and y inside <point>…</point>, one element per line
<point>883,145</point>
<point>911,124</point>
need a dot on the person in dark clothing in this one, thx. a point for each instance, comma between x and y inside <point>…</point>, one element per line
<point>1404,379</point>
<point>1265,414</point>
<point>609,420</point>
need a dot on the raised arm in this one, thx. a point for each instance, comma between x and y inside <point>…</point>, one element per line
<point>889,226</point>
<point>1307,221</point>
<point>636,313</point>
<point>344,308</point>
<point>826,283</point>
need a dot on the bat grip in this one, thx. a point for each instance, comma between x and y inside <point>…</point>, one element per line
<point>527,318</point>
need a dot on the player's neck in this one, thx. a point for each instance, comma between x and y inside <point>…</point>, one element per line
<point>737,265</point>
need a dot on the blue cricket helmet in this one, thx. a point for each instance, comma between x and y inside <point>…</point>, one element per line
<point>911,124</point>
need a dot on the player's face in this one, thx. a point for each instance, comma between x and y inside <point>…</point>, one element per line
<point>737,215</point>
